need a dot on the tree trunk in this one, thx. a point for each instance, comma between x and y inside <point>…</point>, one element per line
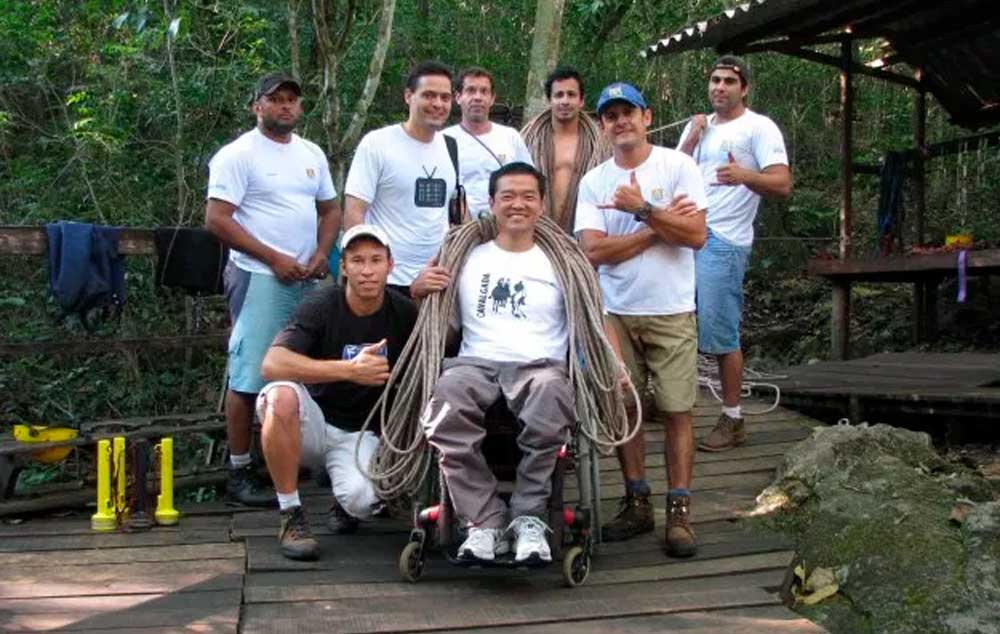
<point>293,37</point>
<point>544,53</point>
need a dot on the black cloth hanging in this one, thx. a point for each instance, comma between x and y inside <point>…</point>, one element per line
<point>191,259</point>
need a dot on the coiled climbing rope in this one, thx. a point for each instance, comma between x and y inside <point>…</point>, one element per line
<point>402,460</point>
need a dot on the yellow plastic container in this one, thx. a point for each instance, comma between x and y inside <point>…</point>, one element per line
<point>40,433</point>
<point>958,240</point>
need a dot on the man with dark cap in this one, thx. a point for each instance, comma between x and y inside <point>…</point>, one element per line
<point>271,201</point>
<point>742,158</point>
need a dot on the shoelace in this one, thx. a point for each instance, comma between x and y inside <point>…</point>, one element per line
<point>477,539</point>
<point>298,526</point>
<point>528,524</point>
<point>678,515</point>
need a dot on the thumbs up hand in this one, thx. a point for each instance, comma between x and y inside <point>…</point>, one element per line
<point>371,367</point>
<point>627,198</point>
<point>731,174</point>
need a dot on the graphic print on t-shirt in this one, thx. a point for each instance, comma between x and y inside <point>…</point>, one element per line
<point>430,191</point>
<point>506,295</point>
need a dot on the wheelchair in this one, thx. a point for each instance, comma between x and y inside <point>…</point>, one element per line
<point>574,529</point>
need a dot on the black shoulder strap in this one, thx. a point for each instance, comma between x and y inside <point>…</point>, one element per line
<point>453,153</point>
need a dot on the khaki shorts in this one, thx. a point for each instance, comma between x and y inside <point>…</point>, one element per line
<point>664,348</point>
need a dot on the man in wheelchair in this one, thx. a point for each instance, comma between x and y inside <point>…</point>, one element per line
<point>510,309</point>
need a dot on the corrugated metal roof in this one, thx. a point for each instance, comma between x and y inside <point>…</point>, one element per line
<point>956,43</point>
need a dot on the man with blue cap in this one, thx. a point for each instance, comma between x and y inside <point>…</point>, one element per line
<point>640,217</point>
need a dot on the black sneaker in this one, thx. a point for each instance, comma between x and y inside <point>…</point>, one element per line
<point>296,538</point>
<point>634,517</point>
<point>244,487</point>
<point>340,521</point>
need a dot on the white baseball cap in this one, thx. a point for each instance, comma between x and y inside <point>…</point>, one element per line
<point>358,231</point>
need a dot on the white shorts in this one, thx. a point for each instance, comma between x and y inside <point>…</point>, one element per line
<point>324,444</point>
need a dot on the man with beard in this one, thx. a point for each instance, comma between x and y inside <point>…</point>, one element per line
<point>402,178</point>
<point>564,143</point>
<point>483,146</point>
<point>271,201</point>
<point>742,158</point>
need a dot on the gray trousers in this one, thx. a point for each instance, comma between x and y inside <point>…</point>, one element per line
<point>537,393</point>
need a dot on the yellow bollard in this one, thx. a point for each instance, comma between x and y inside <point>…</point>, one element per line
<point>120,477</point>
<point>104,519</point>
<point>166,514</point>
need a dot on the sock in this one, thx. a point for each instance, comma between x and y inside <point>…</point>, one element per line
<point>637,487</point>
<point>288,500</point>
<point>733,412</point>
<point>239,460</point>
<point>677,492</point>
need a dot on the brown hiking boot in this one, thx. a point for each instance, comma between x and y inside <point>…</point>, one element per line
<point>340,521</point>
<point>634,517</point>
<point>296,538</point>
<point>727,433</point>
<point>679,535</point>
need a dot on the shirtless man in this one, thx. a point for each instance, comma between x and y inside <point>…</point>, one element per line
<point>564,143</point>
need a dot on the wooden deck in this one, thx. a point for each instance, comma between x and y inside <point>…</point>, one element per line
<point>956,385</point>
<point>220,572</point>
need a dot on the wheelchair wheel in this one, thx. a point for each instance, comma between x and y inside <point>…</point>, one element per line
<point>411,562</point>
<point>576,567</point>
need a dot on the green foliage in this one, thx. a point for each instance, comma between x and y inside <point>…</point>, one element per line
<point>89,128</point>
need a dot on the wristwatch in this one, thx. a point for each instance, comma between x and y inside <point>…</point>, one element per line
<point>642,215</point>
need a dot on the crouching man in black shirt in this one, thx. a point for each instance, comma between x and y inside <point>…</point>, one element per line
<point>327,369</point>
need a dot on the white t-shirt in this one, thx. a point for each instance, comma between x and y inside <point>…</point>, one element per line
<point>476,163</point>
<point>407,185</point>
<point>511,306</point>
<point>756,143</point>
<point>660,280</point>
<point>275,187</point>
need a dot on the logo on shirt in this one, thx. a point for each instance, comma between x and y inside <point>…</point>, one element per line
<point>508,296</point>
<point>502,157</point>
<point>658,193</point>
<point>310,172</point>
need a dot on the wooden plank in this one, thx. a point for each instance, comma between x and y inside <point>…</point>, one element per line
<point>391,615</point>
<point>758,620</point>
<point>133,554</point>
<point>80,525</point>
<point>22,240</point>
<point>340,553</point>
<point>611,474</point>
<point>108,579</point>
<point>906,268</point>
<point>216,341</point>
<point>156,537</point>
<point>210,611</point>
<point>657,480</point>
<point>281,588</point>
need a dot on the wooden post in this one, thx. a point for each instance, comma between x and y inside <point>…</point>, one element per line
<point>846,146</point>
<point>840,320</point>
<point>840,327</point>
<point>921,296</point>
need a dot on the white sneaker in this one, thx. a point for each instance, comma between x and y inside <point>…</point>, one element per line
<point>529,539</point>
<point>484,544</point>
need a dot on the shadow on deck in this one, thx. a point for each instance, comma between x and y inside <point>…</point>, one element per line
<point>220,572</point>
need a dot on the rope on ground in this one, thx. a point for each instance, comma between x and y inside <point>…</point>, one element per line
<point>402,460</point>
<point>708,376</point>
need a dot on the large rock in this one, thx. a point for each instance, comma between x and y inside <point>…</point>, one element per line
<point>876,504</point>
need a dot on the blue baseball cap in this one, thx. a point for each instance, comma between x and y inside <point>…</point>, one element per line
<point>620,91</point>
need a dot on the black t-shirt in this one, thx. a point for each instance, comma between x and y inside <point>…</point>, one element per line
<point>323,327</point>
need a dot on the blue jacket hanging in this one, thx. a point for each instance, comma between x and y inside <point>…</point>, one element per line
<point>86,272</point>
